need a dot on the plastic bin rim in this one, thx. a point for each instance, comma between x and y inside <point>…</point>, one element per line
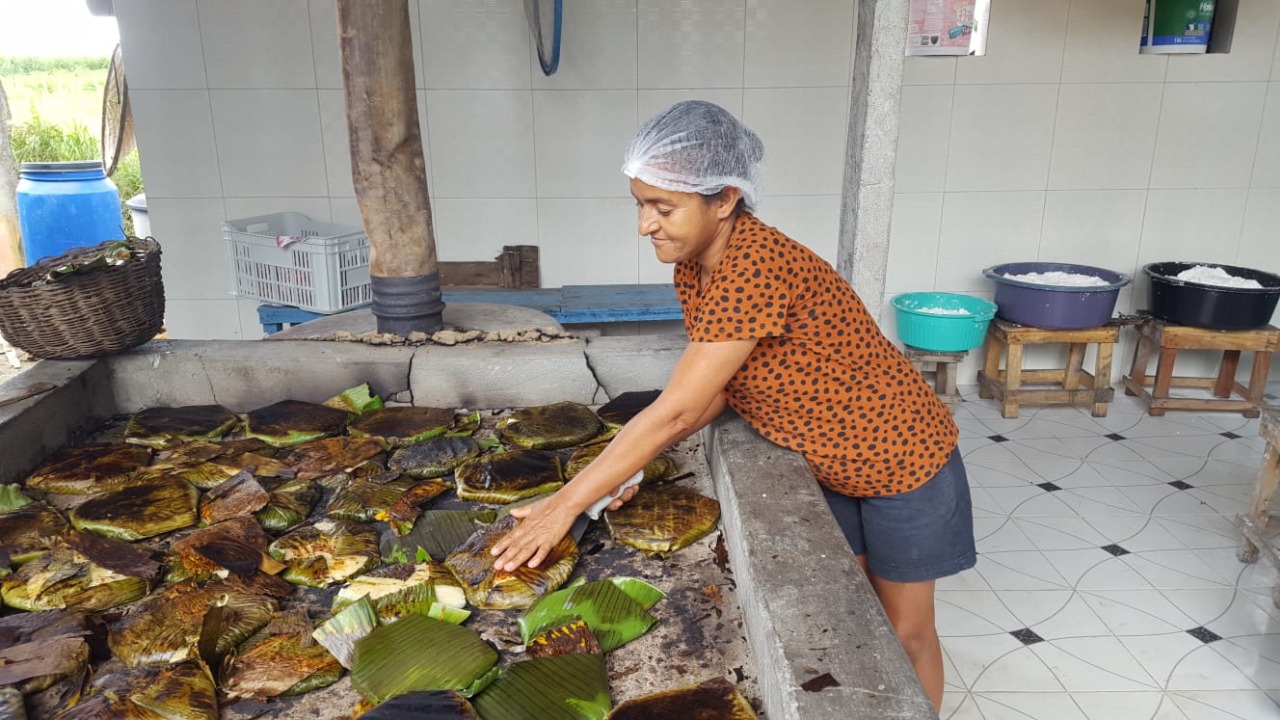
<point>1000,278</point>
<point>57,167</point>
<point>1173,280</point>
<point>988,308</point>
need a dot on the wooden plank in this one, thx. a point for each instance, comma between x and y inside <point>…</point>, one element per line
<point>22,392</point>
<point>1178,336</point>
<point>473,274</point>
<point>1042,336</point>
<point>618,303</point>
<point>1227,373</point>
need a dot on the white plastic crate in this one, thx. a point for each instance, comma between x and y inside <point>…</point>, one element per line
<point>328,272</point>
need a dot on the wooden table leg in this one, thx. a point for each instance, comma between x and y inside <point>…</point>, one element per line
<point>1258,382</point>
<point>1141,359</point>
<point>991,365</point>
<point>1227,373</point>
<point>1164,379</point>
<point>946,380</point>
<point>1102,378</point>
<point>1263,496</point>
<point>1012,380</point>
<point>1075,362</point>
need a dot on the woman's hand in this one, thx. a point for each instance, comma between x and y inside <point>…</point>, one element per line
<point>624,497</point>
<point>542,525</point>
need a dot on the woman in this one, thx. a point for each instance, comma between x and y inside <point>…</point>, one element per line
<point>776,334</point>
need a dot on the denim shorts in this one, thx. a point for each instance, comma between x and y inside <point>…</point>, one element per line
<point>922,534</point>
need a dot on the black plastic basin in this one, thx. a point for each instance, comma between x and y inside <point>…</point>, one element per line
<point>1211,306</point>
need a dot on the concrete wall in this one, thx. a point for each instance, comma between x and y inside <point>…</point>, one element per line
<point>1064,144</point>
<point>239,111</point>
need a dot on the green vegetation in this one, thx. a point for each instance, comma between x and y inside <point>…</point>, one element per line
<point>26,65</point>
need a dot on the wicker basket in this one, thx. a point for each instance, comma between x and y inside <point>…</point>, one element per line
<point>82,316</point>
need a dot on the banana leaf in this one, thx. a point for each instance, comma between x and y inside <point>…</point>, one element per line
<point>176,692</point>
<point>626,406</point>
<point>88,470</point>
<point>116,556</point>
<point>564,687</point>
<point>550,427</point>
<point>190,556</point>
<point>508,476</point>
<point>140,510</point>
<point>656,470</point>
<point>11,498</point>
<point>163,427</point>
<point>391,661</point>
<point>616,612</point>
<point>37,665</point>
<point>24,532</point>
<point>166,627</point>
<point>326,553</point>
<point>402,426</point>
<point>572,637</point>
<point>391,579</point>
<point>321,458</point>
<point>63,578</point>
<point>291,503</point>
<point>358,400</point>
<point>466,425</point>
<point>58,698</point>
<point>661,519</point>
<point>288,664</point>
<point>439,532</point>
<point>438,705</point>
<point>493,589</point>
<point>208,475</point>
<point>339,633</point>
<point>405,511</point>
<point>715,699</point>
<point>12,706</point>
<point>241,496</point>
<point>364,501</point>
<point>434,458</point>
<point>291,422</point>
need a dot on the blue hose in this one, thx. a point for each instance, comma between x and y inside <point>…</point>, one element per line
<point>549,65</point>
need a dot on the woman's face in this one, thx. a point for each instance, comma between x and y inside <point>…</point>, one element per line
<point>681,225</point>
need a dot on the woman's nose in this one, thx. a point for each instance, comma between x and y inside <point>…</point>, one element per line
<point>647,223</point>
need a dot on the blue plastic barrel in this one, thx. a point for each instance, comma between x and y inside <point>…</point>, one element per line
<point>62,205</point>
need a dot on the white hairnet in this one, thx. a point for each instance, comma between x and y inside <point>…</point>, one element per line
<point>697,146</point>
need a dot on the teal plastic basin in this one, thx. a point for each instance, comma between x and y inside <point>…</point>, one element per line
<point>939,331</point>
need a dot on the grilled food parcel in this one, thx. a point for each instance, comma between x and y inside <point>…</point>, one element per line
<point>201,540</point>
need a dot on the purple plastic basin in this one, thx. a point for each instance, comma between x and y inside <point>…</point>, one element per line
<point>1056,307</point>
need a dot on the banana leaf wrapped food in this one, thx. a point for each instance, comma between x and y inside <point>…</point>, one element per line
<point>292,422</point>
<point>563,687</point>
<point>715,699</point>
<point>388,590</point>
<point>149,506</point>
<point>509,476</point>
<point>492,589</point>
<point>550,427</point>
<point>61,577</point>
<point>167,626</point>
<point>434,458</point>
<point>320,458</point>
<point>627,405</point>
<point>25,531</point>
<point>289,503</point>
<point>201,554</point>
<point>162,427</point>
<point>279,665</point>
<point>390,660</point>
<point>239,496</point>
<point>184,691</point>
<point>36,665</point>
<point>326,553</point>
<point>422,705</point>
<point>402,426</point>
<point>438,532</point>
<point>365,501</point>
<point>661,519</point>
<point>656,470</point>
<point>88,470</point>
<point>404,512</point>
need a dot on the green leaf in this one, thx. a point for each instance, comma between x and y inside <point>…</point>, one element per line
<point>465,426</point>
<point>340,633</point>
<point>613,614</point>
<point>423,555</point>
<point>439,532</point>
<point>565,687</point>
<point>491,443</point>
<point>359,399</point>
<point>11,498</point>
<point>391,660</point>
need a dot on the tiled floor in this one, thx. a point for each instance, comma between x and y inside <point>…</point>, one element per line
<point>1107,584</point>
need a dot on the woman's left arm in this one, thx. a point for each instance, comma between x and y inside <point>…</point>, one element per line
<point>696,384</point>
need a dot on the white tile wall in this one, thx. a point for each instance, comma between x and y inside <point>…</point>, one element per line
<point>580,137</point>
<point>1095,227</point>
<point>1027,47</point>
<point>1258,240</point>
<point>1252,45</point>
<point>1001,137</point>
<point>587,241</point>
<point>1105,135</point>
<point>598,48</point>
<point>257,44</point>
<point>803,130</point>
<point>811,220</point>
<point>799,44</point>
<point>1192,225</point>
<point>1208,134</point>
<point>477,229</point>
<point>913,242</point>
<point>924,131</point>
<point>323,16</point>
<point>1102,44</point>
<point>1266,166</point>
<point>315,208</point>
<point>475,45</point>
<point>980,229</point>
<point>929,71</point>
<point>204,319</point>
<point>481,143</point>
<point>336,141</point>
<point>163,37</point>
<point>195,264</point>
<point>691,45</point>
<point>269,142</point>
<point>174,130</point>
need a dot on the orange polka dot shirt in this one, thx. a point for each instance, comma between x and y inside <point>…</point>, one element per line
<point>822,379</point>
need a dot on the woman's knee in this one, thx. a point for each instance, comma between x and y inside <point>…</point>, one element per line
<point>916,634</point>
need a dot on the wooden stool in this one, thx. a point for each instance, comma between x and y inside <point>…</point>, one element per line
<point>1253,525</point>
<point>1167,338</point>
<point>943,376</point>
<point>1073,384</point>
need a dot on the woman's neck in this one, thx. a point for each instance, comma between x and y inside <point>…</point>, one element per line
<point>710,258</point>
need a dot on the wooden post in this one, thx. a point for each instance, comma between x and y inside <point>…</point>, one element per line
<point>10,237</point>
<point>387,164</point>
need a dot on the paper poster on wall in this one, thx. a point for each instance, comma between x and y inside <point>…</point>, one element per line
<point>947,27</point>
<point>1177,26</point>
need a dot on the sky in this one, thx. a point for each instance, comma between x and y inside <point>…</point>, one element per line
<point>54,28</point>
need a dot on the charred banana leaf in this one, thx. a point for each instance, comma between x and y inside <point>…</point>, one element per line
<point>616,610</point>
<point>572,637</point>
<point>661,519</point>
<point>25,532</point>
<point>439,532</point>
<point>37,665</point>
<point>166,627</point>
<point>492,589</point>
<point>402,426</point>
<point>196,556</point>
<point>402,514</point>
<point>549,427</point>
<point>289,664</point>
<point>290,504</point>
<point>238,497</point>
<point>626,406</point>
<point>175,692</point>
<point>715,699</point>
<point>63,578</point>
<point>434,458</point>
<point>656,470</point>
<point>162,427</point>
<point>326,553</point>
<point>437,705</point>
<point>321,458</point>
<point>292,422</point>
<point>509,476</point>
<point>88,470</point>
<point>149,507</point>
<point>365,501</point>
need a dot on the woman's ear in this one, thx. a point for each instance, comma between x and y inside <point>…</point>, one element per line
<point>727,201</point>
